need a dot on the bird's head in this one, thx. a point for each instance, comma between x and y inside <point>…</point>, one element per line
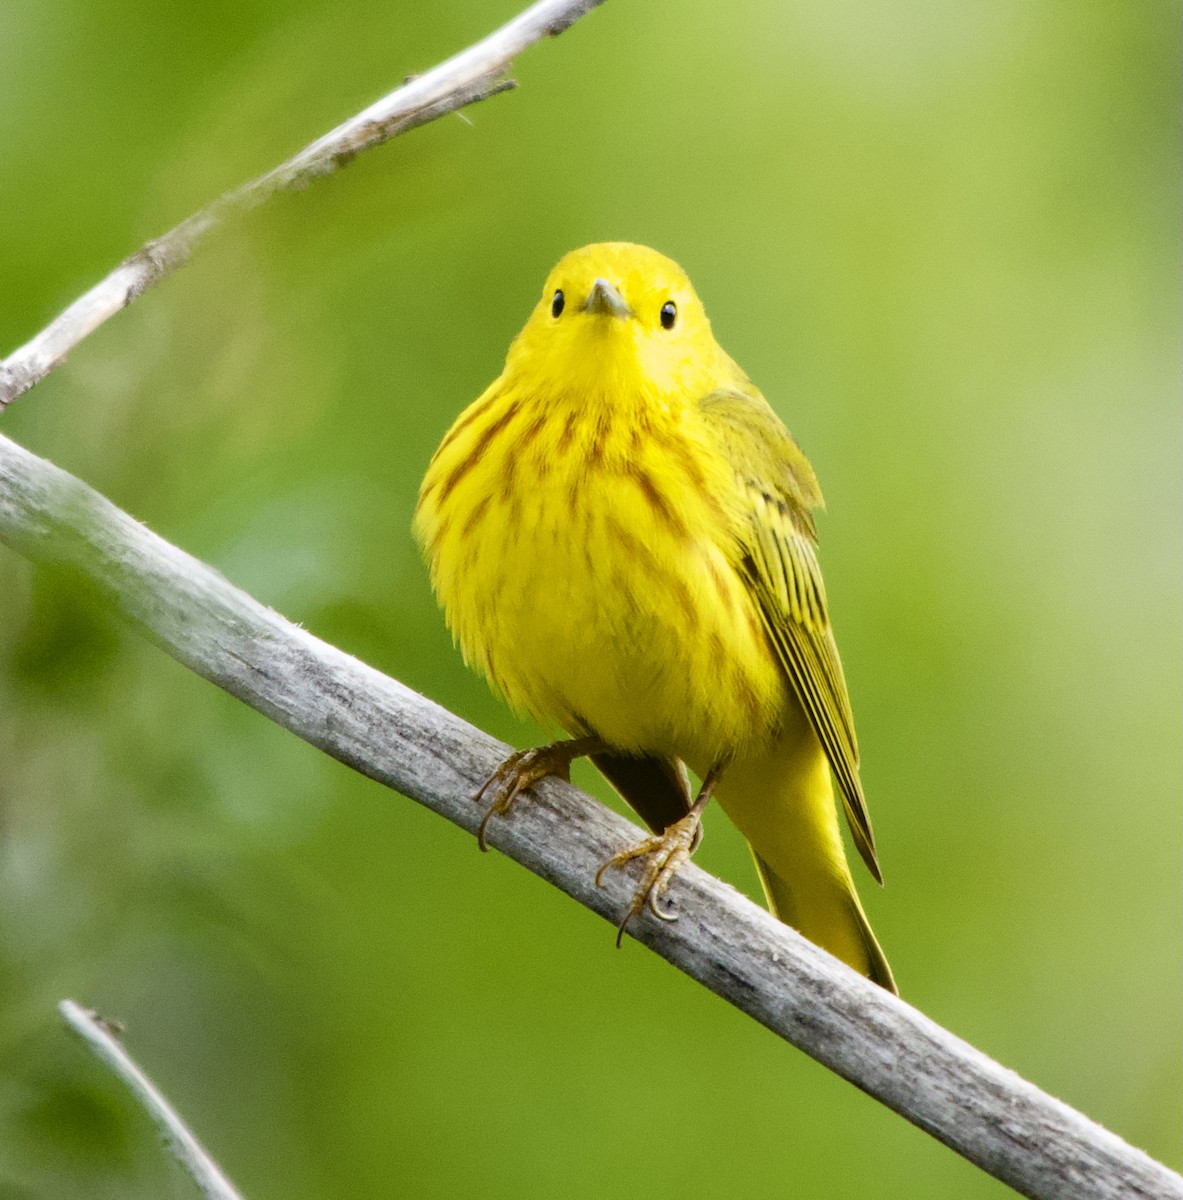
<point>617,320</point>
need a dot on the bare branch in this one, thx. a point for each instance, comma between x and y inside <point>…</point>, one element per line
<point>1005,1125</point>
<point>185,1148</point>
<point>474,74</point>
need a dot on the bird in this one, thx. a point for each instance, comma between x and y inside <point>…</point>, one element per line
<point>620,531</point>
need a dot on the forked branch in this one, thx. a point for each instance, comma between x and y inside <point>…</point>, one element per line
<point>472,75</point>
<point>986,1113</point>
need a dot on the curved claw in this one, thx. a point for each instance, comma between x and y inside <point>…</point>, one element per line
<point>620,928</point>
<point>669,916</point>
<point>524,768</point>
<point>481,840</point>
<point>509,779</point>
<point>668,853</point>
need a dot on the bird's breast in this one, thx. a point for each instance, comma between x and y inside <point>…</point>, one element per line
<point>586,565</point>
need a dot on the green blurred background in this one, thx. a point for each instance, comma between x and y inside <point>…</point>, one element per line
<point>942,238</point>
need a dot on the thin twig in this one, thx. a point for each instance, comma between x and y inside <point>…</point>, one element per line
<point>185,1148</point>
<point>474,74</point>
<point>986,1113</point>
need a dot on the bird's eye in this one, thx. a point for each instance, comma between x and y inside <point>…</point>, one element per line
<point>556,305</point>
<point>669,314</point>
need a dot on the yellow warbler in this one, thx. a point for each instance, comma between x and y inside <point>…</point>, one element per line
<point>620,532</point>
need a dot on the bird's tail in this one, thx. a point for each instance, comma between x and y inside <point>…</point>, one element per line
<point>783,803</point>
<point>829,914</point>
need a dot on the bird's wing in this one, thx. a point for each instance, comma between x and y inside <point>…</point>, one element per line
<point>778,548</point>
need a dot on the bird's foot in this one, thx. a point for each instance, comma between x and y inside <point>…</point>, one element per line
<point>667,854</point>
<point>526,767</point>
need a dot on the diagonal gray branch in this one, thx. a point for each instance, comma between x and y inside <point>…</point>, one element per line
<point>986,1113</point>
<point>474,74</point>
<point>185,1148</point>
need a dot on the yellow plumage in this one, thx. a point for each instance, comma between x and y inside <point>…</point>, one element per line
<point>620,533</point>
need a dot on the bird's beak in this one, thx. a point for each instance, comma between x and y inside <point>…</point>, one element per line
<point>606,300</point>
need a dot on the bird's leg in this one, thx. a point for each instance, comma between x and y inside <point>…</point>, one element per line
<point>667,853</point>
<point>526,767</point>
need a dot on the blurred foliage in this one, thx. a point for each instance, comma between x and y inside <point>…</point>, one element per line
<point>942,238</point>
